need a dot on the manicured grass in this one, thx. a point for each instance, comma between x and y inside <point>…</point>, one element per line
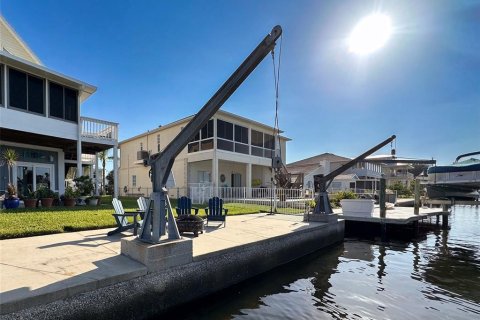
<point>18,223</point>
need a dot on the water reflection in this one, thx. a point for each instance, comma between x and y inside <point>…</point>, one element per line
<point>436,276</point>
<point>454,265</point>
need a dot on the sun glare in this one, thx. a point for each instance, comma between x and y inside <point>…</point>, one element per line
<point>370,34</point>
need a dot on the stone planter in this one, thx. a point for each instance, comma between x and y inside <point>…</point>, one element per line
<point>30,203</point>
<point>92,202</point>
<point>11,203</point>
<point>357,207</point>
<point>69,202</point>
<point>46,202</point>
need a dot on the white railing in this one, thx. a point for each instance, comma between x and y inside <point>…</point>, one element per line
<point>99,129</point>
<point>288,201</point>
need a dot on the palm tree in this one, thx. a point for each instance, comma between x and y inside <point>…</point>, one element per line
<point>103,156</point>
<point>9,157</point>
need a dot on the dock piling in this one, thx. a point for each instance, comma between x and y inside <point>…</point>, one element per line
<point>445,217</point>
<point>383,209</point>
<point>417,197</point>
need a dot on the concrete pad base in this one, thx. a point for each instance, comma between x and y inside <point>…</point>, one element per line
<point>161,256</point>
<point>316,217</point>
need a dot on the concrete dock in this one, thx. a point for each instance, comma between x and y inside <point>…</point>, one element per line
<point>68,274</point>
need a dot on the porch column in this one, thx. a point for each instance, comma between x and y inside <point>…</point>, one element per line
<point>61,172</point>
<point>215,174</point>
<point>249,180</point>
<point>79,149</point>
<point>96,175</point>
<point>215,177</point>
<point>115,171</point>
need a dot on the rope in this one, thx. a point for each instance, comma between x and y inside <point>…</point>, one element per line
<point>276,77</point>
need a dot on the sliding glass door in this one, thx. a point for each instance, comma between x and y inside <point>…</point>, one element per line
<point>32,176</point>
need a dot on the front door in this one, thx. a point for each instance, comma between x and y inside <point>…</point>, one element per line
<point>236,180</point>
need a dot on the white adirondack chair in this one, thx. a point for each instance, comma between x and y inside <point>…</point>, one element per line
<point>121,218</point>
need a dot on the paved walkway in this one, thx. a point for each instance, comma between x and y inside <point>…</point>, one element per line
<point>41,269</point>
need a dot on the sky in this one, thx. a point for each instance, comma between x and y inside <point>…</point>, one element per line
<point>155,62</point>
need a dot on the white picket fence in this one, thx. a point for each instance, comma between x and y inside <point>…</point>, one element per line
<point>288,201</point>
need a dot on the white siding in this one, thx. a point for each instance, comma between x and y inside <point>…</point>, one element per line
<point>27,122</point>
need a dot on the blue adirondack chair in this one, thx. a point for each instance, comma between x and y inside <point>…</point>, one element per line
<point>121,216</point>
<point>216,211</point>
<point>185,206</point>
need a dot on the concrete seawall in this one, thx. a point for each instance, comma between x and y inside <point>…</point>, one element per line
<point>209,272</point>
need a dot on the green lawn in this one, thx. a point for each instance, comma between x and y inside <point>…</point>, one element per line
<point>18,223</point>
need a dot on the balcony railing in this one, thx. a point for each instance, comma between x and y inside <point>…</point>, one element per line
<point>99,129</point>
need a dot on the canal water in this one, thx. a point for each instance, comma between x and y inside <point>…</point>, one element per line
<point>436,276</point>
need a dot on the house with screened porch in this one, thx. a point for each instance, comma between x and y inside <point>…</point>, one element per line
<point>40,118</point>
<point>229,152</point>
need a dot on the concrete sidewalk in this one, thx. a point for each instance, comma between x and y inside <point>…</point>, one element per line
<point>38,270</point>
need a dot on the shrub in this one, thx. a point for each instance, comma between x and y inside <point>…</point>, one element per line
<point>45,192</point>
<point>335,200</point>
<point>84,185</point>
<point>402,190</point>
<point>70,193</point>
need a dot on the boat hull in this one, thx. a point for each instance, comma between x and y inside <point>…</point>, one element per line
<point>458,192</point>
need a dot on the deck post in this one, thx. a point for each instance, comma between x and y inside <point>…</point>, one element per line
<point>416,209</point>
<point>445,217</point>
<point>416,228</point>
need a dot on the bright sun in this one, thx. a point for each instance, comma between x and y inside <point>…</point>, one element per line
<point>370,34</point>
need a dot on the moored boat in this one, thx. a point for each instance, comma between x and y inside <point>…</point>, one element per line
<point>460,180</point>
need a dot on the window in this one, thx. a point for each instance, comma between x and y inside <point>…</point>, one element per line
<point>158,143</point>
<point>204,177</point>
<point>1,86</point>
<point>224,130</point>
<point>63,102</point>
<point>71,104</point>
<point>36,99</point>
<point>203,140</point>
<point>241,148</point>
<point>134,180</point>
<point>17,89</point>
<point>257,143</point>
<point>207,130</point>
<point>257,138</point>
<point>241,134</point>
<point>26,92</point>
<point>269,142</point>
<point>224,145</point>
<point>141,146</point>
<point>56,100</point>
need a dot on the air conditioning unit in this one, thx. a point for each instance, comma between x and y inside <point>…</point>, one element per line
<point>142,155</point>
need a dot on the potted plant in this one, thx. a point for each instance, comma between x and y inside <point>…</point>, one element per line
<point>11,201</point>
<point>92,201</point>
<point>84,187</point>
<point>29,199</point>
<point>10,157</point>
<point>69,197</point>
<point>46,196</point>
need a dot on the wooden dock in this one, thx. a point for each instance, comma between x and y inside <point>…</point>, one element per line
<point>399,220</point>
<point>398,215</point>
